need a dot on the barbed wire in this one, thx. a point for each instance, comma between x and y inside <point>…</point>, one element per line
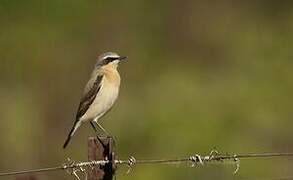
<point>66,166</point>
<point>73,167</point>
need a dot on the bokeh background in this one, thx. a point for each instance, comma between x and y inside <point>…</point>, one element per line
<point>200,75</point>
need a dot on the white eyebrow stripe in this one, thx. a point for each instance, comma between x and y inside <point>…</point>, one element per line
<point>111,56</point>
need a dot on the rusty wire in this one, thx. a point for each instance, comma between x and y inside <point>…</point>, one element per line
<point>73,167</point>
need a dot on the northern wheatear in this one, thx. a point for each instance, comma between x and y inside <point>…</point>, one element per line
<point>100,92</point>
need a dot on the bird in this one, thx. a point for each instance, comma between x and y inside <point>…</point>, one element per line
<point>100,93</point>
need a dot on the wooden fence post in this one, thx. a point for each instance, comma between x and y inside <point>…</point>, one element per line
<point>102,149</point>
<point>26,177</point>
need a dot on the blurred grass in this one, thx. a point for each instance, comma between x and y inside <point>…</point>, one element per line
<point>201,74</point>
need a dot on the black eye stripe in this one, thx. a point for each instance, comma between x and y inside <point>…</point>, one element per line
<point>111,58</point>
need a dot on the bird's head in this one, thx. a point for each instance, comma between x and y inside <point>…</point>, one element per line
<point>109,59</point>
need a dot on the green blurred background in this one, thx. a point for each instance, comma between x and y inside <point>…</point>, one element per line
<point>200,75</point>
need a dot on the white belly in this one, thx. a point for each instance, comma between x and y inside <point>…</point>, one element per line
<point>103,102</point>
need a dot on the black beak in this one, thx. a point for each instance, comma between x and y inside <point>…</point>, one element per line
<point>122,58</point>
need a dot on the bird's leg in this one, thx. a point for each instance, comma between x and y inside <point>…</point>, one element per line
<point>96,130</point>
<point>100,127</point>
<point>107,134</point>
<point>94,127</point>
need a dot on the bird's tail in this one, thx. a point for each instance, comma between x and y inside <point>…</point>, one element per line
<point>71,133</point>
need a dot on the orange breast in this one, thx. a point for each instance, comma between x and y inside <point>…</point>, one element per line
<point>111,75</point>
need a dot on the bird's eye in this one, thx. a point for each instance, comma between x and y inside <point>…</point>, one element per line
<point>109,59</point>
<point>112,58</point>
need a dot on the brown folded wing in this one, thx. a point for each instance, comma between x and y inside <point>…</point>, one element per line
<point>89,96</point>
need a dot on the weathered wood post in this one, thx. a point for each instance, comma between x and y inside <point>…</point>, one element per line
<point>101,148</point>
<point>26,177</point>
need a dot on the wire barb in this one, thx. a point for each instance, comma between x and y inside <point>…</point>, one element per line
<point>131,163</point>
<point>196,159</point>
<point>237,162</point>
